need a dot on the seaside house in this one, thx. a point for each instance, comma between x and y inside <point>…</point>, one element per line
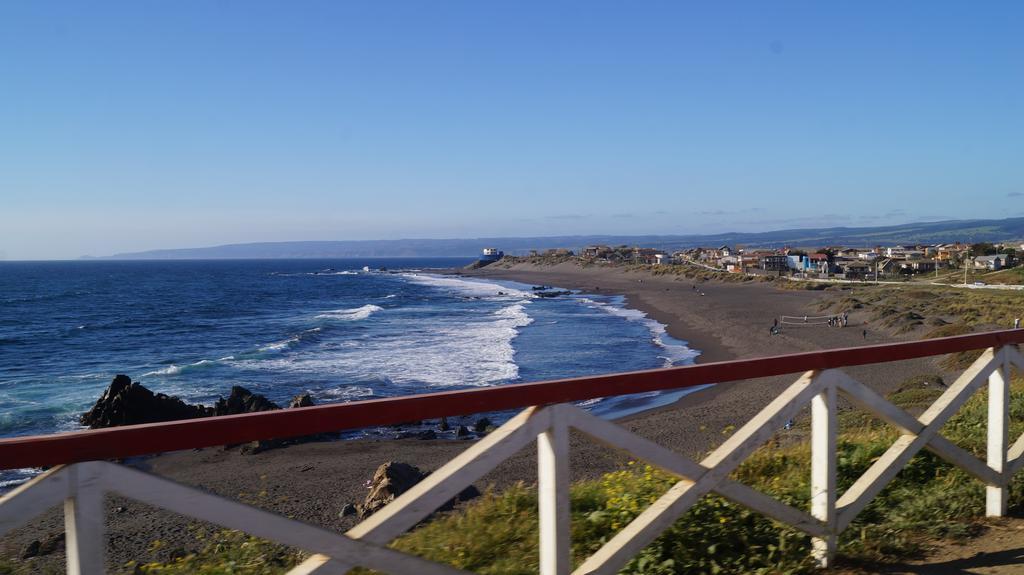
<point>491,255</point>
<point>917,266</point>
<point>994,262</point>
<point>819,263</point>
<point>597,252</point>
<point>799,263</point>
<point>645,255</point>
<point>855,269</point>
<point>681,256</point>
<point>730,263</point>
<point>946,252</point>
<point>887,266</point>
<point>775,263</point>
<point>752,259</point>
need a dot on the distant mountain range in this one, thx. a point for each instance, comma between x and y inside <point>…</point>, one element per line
<point>924,232</point>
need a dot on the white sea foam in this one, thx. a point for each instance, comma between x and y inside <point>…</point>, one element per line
<point>169,370</point>
<point>14,477</point>
<point>674,351</point>
<point>468,287</point>
<point>175,369</point>
<point>280,345</point>
<point>345,393</point>
<point>443,351</point>
<point>353,314</point>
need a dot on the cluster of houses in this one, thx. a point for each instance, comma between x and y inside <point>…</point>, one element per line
<point>838,261</point>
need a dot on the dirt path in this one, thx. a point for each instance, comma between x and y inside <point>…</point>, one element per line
<point>998,551</point>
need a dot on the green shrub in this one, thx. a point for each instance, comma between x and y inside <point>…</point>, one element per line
<point>226,552</point>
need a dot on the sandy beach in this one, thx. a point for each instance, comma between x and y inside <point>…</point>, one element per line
<point>314,481</point>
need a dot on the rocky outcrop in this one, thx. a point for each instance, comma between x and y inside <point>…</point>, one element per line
<point>129,403</point>
<point>39,548</point>
<point>395,478</point>
<point>241,400</point>
<point>301,400</point>
<point>126,403</point>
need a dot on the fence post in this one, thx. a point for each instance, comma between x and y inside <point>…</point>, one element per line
<point>823,472</point>
<point>553,497</point>
<point>997,496</point>
<point>83,521</point>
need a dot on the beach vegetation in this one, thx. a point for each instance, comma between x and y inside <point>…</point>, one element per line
<point>929,305</point>
<point>224,552</point>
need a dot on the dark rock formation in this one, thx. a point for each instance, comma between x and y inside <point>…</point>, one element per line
<point>47,546</point>
<point>393,479</point>
<point>389,481</point>
<point>482,424</point>
<point>241,400</point>
<point>461,432</point>
<point>555,293</point>
<point>301,400</point>
<point>127,403</point>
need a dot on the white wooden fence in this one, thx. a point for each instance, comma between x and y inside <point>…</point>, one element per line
<point>81,486</point>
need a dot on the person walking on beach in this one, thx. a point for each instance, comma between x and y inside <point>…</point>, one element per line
<point>865,334</point>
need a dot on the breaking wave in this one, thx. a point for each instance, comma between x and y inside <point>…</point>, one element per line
<point>674,351</point>
<point>461,286</point>
<point>353,314</point>
<point>446,351</point>
<point>176,369</point>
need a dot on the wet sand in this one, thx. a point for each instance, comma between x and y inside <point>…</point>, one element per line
<point>312,482</point>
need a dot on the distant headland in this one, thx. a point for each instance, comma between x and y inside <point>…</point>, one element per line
<point>967,231</point>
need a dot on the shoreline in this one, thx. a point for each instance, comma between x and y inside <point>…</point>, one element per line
<point>313,481</point>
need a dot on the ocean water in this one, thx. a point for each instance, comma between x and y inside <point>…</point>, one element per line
<point>283,327</point>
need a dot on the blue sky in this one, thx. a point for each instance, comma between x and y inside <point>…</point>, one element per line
<point>134,125</point>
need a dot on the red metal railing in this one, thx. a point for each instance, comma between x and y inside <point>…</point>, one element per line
<point>134,440</point>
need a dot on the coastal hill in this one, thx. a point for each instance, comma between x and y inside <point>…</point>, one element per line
<point>922,232</point>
